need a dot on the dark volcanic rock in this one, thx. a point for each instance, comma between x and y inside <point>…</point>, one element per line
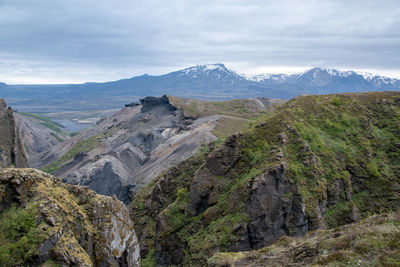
<point>150,102</point>
<point>106,182</point>
<point>133,104</point>
<point>275,209</point>
<point>218,163</point>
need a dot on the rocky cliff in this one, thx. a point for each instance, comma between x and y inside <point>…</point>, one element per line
<point>12,151</point>
<point>44,222</point>
<point>127,150</point>
<point>315,162</point>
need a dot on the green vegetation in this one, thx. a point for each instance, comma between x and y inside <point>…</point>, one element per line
<point>229,125</point>
<point>50,263</point>
<point>341,151</point>
<point>19,237</point>
<point>73,134</point>
<point>374,241</point>
<point>82,146</point>
<point>350,137</point>
<point>46,122</point>
<point>239,108</point>
<point>176,179</point>
<point>59,138</point>
<point>56,220</point>
<point>150,260</point>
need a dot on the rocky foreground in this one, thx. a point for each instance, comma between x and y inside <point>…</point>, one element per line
<point>44,222</point>
<point>374,241</point>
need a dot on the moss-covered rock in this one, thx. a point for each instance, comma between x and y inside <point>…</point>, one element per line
<point>60,223</point>
<point>374,241</point>
<point>315,162</point>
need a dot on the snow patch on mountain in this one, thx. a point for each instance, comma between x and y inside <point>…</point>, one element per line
<point>217,70</point>
<point>266,76</point>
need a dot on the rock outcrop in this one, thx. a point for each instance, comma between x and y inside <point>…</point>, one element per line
<point>316,162</point>
<point>72,225</point>
<point>275,208</point>
<point>12,151</point>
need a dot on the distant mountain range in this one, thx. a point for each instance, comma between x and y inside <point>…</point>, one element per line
<point>210,81</point>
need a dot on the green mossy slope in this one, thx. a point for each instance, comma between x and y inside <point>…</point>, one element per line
<point>337,157</point>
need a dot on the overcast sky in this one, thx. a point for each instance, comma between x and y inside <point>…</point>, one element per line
<point>57,41</point>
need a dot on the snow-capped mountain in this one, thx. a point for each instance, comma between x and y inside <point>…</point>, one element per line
<point>217,70</point>
<point>325,80</point>
<point>321,73</point>
<point>209,81</point>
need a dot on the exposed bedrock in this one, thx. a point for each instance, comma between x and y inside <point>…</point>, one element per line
<point>12,152</point>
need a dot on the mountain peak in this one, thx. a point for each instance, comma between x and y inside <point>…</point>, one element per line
<point>216,70</point>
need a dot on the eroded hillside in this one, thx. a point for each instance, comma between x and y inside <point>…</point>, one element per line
<point>315,162</point>
<point>39,133</point>
<point>127,150</point>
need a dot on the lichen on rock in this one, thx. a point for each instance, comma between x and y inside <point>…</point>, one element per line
<point>76,226</point>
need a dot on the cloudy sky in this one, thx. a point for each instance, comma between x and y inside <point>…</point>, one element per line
<point>62,41</point>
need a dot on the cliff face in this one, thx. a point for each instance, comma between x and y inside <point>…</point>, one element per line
<point>44,221</point>
<point>12,151</point>
<point>316,162</point>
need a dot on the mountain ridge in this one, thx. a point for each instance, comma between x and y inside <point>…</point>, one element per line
<point>208,81</point>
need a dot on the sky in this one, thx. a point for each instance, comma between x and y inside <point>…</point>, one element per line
<point>73,41</point>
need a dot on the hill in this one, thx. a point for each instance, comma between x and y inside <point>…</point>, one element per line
<point>126,151</point>
<point>315,162</point>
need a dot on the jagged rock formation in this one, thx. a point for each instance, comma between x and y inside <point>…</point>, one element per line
<point>372,242</point>
<point>46,221</point>
<point>315,162</point>
<point>126,151</point>
<point>12,151</point>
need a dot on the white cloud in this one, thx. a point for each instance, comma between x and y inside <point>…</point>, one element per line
<point>88,40</point>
